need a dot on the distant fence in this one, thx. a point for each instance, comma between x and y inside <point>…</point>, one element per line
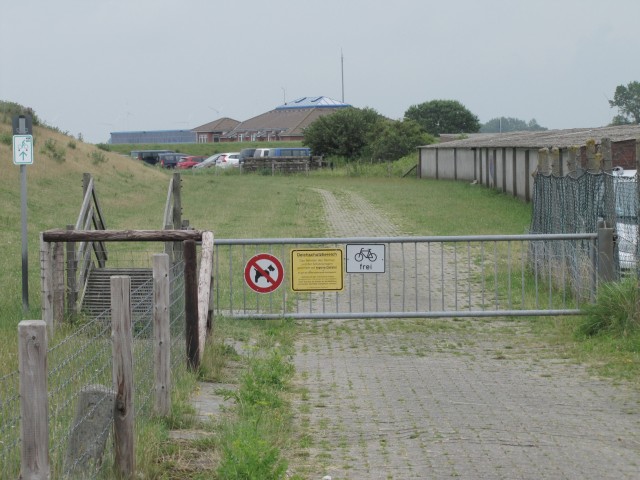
<point>273,165</point>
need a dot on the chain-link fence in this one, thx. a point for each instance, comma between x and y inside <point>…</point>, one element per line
<point>79,358</point>
<point>577,204</point>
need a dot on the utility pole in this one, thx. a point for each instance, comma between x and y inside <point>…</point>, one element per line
<point>342,72</point>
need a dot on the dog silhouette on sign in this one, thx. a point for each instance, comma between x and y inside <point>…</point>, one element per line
<point>258,273</point>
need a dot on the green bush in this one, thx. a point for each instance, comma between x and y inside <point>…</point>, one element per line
<point>97,157</point>
<point>52,150</point>
<point>103,146</point>
<point>6,138</point>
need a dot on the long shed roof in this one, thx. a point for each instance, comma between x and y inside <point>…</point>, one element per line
<point>547,138</point>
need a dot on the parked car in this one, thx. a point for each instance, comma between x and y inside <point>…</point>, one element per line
<point>209,161</point>
<point>246,153</point>
<point>226,160</point>
<point>624,185</point>
<point>170,160</point>
<point>148,156</point>
<point>190,161</point>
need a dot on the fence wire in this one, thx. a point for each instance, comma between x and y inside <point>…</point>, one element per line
<point>80,358</point>
<point>576,204</point>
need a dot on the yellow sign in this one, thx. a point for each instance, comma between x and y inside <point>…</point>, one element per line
<point>317,270</point>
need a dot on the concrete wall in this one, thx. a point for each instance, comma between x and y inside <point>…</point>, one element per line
<point>506,169</point>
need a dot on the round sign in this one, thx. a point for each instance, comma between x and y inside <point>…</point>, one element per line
<point>263,273</point>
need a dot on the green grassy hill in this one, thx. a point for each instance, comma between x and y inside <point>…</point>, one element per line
<point>129,191</point>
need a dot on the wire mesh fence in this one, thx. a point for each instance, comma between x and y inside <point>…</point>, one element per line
<point>79,358</point>
<point>577,203</point>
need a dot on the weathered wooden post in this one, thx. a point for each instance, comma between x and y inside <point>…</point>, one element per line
<point>191,305</point>
<point>123,421</point>
<point>204,290</point>
<point>177,213</point>
<point>58,283</point>
<point>162,334</point>
<point>46,281</point>
<point>72,265</point>
<point>34,404</point>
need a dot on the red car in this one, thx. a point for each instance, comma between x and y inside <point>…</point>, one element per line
<point>190,161</point>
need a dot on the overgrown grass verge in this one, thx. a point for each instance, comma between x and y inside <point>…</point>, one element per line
<point>250,440</point>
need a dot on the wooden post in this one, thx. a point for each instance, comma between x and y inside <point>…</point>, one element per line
<point>168,246</point>
<point>72,265</point>
<point>34,405</point>
<point>46,280</point>
<point>58,283</point>
<point>204,290</point>
<point>123,421</point>
<point>191,304</point>
<point>177,199</point>
<point>162,334</point>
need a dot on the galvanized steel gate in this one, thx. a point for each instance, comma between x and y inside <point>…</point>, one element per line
<point>428,277</point>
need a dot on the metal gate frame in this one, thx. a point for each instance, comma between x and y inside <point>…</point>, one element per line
<point>425,277</point>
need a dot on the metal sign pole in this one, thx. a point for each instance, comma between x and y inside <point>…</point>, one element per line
<point>23,156</point>
<point>25,250</point>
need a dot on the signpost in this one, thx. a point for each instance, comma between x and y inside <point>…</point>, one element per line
<point>23,155</point>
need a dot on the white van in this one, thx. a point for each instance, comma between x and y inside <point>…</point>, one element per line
<point>261,152</point>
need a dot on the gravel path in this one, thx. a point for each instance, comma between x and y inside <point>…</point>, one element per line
<point>400,399</point>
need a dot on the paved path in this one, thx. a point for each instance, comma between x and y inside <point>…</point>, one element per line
<point>472,399</point>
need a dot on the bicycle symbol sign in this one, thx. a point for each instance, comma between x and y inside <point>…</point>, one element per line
<point>365,258</point>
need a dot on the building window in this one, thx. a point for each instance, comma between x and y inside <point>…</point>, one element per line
<point>202,138</point>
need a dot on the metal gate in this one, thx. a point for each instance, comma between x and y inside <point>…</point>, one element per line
<point>428,277</point>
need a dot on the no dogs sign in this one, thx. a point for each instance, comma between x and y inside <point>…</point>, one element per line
<point>263,273</point>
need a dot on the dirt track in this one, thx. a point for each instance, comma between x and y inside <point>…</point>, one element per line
<point>440,399</point>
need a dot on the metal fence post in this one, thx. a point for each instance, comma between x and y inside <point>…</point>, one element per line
<point>606,270</point>
<point>34,405</point>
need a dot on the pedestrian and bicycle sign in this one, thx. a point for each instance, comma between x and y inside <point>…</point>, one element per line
<point>263,273</point>
<point>22,149</point>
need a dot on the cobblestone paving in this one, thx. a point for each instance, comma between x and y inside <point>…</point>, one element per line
<point>472,399</point>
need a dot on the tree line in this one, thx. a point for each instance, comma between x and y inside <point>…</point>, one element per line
<point>362,133</point>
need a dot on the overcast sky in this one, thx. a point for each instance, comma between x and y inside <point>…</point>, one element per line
<point>97,66</point>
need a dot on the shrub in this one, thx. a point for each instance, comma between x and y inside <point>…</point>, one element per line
<point>71,144</point>
<point>103,146</point>
<point>97,157</point>
<point>6,138</point>
<point>615,310</point>
<point>52,150</point>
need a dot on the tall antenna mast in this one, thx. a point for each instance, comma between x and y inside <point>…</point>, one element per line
<point>342,72</point>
